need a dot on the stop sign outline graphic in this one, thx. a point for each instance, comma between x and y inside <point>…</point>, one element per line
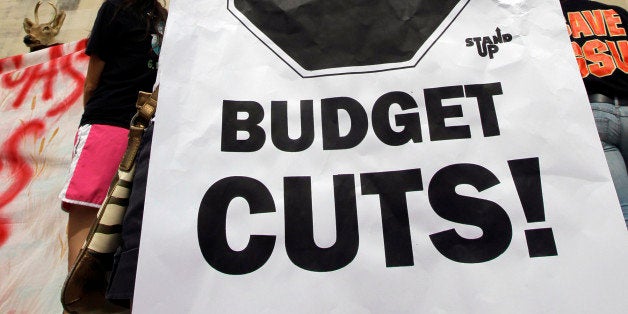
<point>333,37</point>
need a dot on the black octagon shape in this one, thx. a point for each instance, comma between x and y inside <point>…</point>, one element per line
<point>327,34</point>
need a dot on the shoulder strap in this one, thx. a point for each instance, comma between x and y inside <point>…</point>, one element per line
<point>146,106</point>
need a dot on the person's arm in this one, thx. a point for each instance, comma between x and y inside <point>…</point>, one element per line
<point>94,70</point>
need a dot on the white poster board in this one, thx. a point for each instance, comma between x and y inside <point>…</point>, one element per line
<point>312,158</point>
<point>42,103</point>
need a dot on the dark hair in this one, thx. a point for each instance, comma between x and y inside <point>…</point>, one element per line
<point>152,12</point>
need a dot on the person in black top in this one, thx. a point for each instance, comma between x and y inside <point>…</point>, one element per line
<point>598,34</point>
<point>123,49</point>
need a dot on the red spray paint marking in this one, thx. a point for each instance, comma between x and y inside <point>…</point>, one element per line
<point>58,66</point>
<point>81,45</point>
<point>8,80</point>
<point>17,61</point>
<point>5,230</point>
<point>21,171</point>
<point>527,177</point>
<point>78,78</point>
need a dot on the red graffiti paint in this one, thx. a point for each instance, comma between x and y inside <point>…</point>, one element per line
<point>5,229</point>
<point>16,60</point>
<point>81,45</point>
<point>28,77</point>
<point>21,171</point>
<point>78,78</point>
<point>57,68</point>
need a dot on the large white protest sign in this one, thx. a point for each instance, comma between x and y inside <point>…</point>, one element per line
<point>376,157</point>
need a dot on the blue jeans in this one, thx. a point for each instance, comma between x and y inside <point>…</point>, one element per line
<point>612,126</point>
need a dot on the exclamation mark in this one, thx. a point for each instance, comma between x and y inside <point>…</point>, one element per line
<point>527,177</point>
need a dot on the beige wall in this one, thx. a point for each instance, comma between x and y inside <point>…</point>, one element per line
<point>621,3</point>
<point>77,22</point>
<point>79,19</point>
<point>80,15</point>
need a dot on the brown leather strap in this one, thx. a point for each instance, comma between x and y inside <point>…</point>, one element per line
<point>146,105</point>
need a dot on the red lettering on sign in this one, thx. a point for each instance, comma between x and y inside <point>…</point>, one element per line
<point>23,81</point>
<point>4,230</point>
<point>47,74</point>
<point>20,170</point>
<point>78,78</point>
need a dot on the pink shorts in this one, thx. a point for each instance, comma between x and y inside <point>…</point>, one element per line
<point>98,150</point>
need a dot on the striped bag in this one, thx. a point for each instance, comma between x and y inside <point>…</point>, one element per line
<point>86,283</point>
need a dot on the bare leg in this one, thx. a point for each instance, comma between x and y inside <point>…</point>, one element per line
<point>79,222</point>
